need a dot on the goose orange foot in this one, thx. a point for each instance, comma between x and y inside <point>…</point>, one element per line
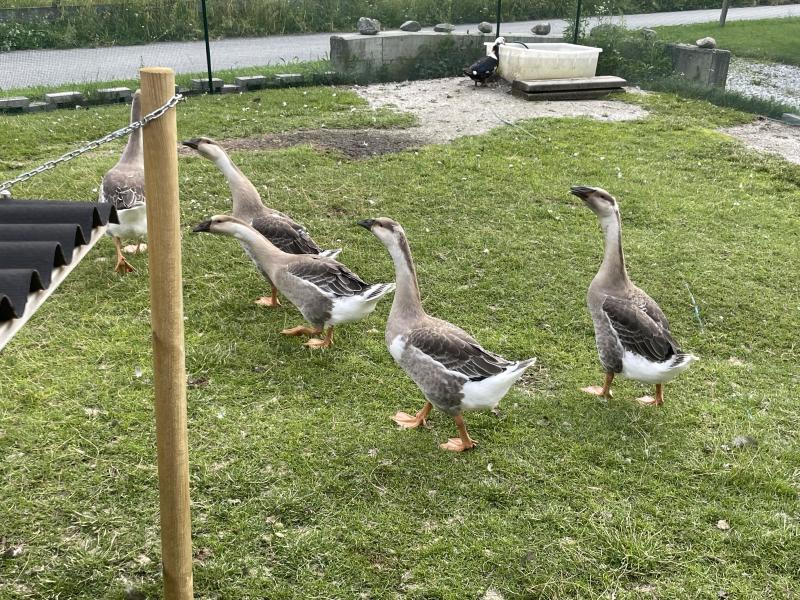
<point>270,301</point>
<point>123,266</point>
<point>658,400</point>
<point>300,330</point>
<point>406,421</point>
<point>325,342</point>
<point>604,391</point>
<point>458,445</point>
<point>135,249</point>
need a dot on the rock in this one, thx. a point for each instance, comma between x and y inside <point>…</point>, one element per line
<point>367,26</point>
<point>723,525</point>
<point>541,29</point>
<point>485,27</point>
<point>743,441</point>
<point>444,28</point>
<point>706,42</point>
<point>131,593</point>
<point>649,34</point>
<point>410,26</point>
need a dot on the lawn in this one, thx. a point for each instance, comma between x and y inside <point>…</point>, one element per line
<point>774,40</point>
<point>302,487</point>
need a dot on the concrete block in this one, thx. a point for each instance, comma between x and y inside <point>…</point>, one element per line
<point>287,79</point>
<point>14,103</point>
<point>201,85</point>
<point>790,118</point>
<point>61,99</point>
<point>251,82</point>
<point>39,107</point>
<point>230,89</point>
<point>117,94</point>
<point>705,66</point>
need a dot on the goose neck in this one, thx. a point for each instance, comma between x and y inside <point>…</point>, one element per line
<point>407,303</point>
<point>613,267</point>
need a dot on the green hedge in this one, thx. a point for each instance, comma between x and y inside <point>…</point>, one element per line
<point>143,21</point>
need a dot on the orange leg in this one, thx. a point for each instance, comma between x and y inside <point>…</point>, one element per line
<point>604,391</point>
<point>123,266</point>
<point>463,441</point>
<point>271,300</point>
<point>321,343</point>
<point>301,330</point>
<point>406,421</point>
<point>650,400</point>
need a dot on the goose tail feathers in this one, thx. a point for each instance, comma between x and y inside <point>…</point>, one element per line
<point>331,253</point>
<point>524,365</point>
<point>379,290</point>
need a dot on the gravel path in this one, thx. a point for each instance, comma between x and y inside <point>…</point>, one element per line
<point>769,81</point>
<point>453,107</point>
<point>766,135</point>
<point>55,67</point>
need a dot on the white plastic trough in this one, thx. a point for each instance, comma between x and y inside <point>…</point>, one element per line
<point>545,61</point>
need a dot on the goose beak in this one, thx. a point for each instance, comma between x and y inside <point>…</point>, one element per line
<point>581,191</point>
<point>204,226</point>
<point>367,223</point>
<point>193,143</point>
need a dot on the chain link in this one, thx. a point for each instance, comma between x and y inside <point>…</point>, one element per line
<point>92,145</point>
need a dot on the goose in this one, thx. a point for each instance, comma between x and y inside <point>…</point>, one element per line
<point>324,291</point>
<point>123,186</point>
<point>483,68</point>
<point>453,371</point>
<point>631,331</point>
<point>274,225</point>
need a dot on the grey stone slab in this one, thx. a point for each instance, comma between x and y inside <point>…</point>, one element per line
<point>575,84</point>
<point>14,102</point>
<point>790,118</point>
<point>289,78</point>
<point>565,95</point>
<point>116,94</point>
<point>251,82</point>
<point>202,84</point>
<point>39,107</point>
<point>705,66</point>
<point>63,98</point>
<point>230,89</point>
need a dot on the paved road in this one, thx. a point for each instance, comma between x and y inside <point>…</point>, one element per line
<point>54,67</point>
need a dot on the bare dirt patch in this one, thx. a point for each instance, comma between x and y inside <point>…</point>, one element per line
<point>353,143</point>
<point>767,135</point>
<point>453,107</point>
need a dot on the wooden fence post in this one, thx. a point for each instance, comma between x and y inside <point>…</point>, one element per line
<point>166,316</point>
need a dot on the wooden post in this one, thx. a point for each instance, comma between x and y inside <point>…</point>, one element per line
<point>166,316</point>
<point>723,15</point>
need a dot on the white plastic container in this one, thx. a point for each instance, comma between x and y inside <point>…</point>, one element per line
<point>545,61</point>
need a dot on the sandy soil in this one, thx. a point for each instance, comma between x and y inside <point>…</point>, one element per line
<point>452,107</point>
<point>767,135</point>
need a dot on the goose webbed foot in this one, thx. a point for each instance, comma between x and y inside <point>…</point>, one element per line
<point>139,248</point>
<point>604,391</point>
<point>123,266</point>
<point>656,400</point>
<point>461,443</point>
<point>301,330</point>
<point>318,343</point>
<point>270,301</point>
<point>407,421</point>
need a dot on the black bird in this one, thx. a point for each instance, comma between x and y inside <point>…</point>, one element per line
<point>483,68</point>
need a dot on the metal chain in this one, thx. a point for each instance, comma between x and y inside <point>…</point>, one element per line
<point>92,145</point>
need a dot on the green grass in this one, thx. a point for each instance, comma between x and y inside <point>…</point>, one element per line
<point>775,40</point>
<point>301,485</point>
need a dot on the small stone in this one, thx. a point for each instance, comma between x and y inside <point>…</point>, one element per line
<point>485,27</point>
<point>492,594</point>
<point>367,26</point>
<point>649,34</point>
<point>131,593</point>
<point>444,28</point>
<point>410,26</point>
<point>723,525</point>
<point>791,119</point>
<point>706,42</point>
<point>743,441</point>
<point>541,29</point>
<point>12,552</point>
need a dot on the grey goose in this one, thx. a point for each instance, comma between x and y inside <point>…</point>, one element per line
<point>123,186</point>
<point>325,291</point>
<point>277,227</point>
<point>453,371</point>
<point>631,331</point>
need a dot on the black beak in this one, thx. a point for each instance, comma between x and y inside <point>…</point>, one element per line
<point>193,143</point>
<point>367,223</point>
<point>204,226</point>
<point>581,191</point>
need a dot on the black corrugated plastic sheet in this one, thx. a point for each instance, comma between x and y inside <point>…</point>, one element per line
<point>37,236</point>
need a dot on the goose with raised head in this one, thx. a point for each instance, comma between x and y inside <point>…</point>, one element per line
<point>277,227</point>
<point>123,186</point>
<point>631,331</point>
<point>454,372</point>
<point>324,291</point>
<point>486,66</point>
